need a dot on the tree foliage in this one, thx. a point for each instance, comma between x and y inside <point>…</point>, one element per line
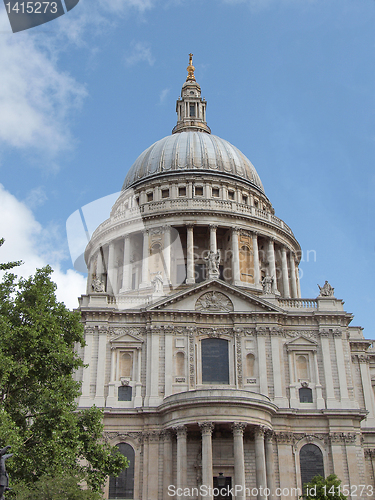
<point>54,488</point>
<point>8,265</point>
<point>38,412</point>
<point>320,488</point>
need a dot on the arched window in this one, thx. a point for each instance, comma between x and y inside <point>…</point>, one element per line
<point>305,395</point>
<point>122,486</point>
<point>311,462</point>
<point>250,365</point>
<point>215,361</point>
<point>180,364</point>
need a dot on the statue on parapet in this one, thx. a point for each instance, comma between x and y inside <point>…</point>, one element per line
<point>97,285</point>
<point>4,478</point>
<point>157,282</point>
<point>267,283</point>
<point>326,290</point>
<point>213,262</point>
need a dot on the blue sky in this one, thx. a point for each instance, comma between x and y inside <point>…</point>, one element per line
<point>289,82</point>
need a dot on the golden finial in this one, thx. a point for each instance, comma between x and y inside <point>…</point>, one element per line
<point>190,69</point>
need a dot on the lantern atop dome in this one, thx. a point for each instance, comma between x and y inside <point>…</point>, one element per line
<point>190,107</point>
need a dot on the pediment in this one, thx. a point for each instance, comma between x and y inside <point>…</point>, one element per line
<point>126,339</point>
<point>214,296</point>
<point>301,342</point>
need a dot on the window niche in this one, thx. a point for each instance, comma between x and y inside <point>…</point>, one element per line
<point>198,190</point>
<point>311,462</point>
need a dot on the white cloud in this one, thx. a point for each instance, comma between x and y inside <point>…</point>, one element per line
<point>27,240</point>
<point>163,95</point>
<point>35,97</point>
<point>125,5</point>
<point>36,197</point>
<point>140,52</point>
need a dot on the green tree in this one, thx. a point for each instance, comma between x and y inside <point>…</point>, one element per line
<point>55,488</point>
<point>38,412</point>
<point>8,265</point>
<point>320,488</point>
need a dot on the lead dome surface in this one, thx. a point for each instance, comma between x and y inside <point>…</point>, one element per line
<point>192,151</point>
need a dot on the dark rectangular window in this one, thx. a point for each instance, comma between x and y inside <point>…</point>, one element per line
<point>165,193</point>
<point>215,361</point>
<point>192,109</point>
<point>124,393</point>
<point>150,196</point>
<point>215,192</point>
<point>198,190</point>
<point>231,195</point>
<point>244,199</point>
<point>182,191</point>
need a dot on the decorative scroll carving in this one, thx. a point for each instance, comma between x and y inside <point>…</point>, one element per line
<point>324,333</point>
<point>89,330</point>
<point>137,436</point>
<point>260,430</point>
<point>135,332</point>
<point>343,437</point>
<point>285,437</point>
<point>215,332</point>
<point>337,333</point>
<point>191,358</point>
<point>239,358</point>
<point>369,453</point>
<point>214,302</point>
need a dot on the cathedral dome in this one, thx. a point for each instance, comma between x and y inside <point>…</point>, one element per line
<point>192,151</point>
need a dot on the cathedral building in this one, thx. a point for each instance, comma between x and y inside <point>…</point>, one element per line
<point>217,379</point>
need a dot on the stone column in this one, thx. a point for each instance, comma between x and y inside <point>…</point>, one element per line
<point>270,469</point>
<point>260,462</point>
<point>91,272</point>
<point>235,257</point>
<point>138,384</point>
<point>111,284</point>
<point>190,279</point>
<point>278,375</point>
<point>181,456</point>
<point>298,284</point>
<point>100,372</point>
<point>145,277</point>
<point>167,255</point>
<point>262,367</point>
<point>344,395</point>
<point>284,265</point>
<point>256,259</point>
<point>272,263</point>
<point>293,279</point>
<point>330,392</point>
<point>167,462</point>
<point>153,465</point>
<point>213,239</point>
<point>368,394</point>
<point>320,403</point>
<point>207,472</point>
<point>239,458</point>
<point>338,455</point>
<point>89,337</point>
<point>126,271</point>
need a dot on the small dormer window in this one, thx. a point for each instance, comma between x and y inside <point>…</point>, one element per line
<point>198,190</point>
<point>182,191</point>
<point>192,110</point>
<point>244,199</point>
<point>215,192</point>
<point>165,193</point>
<point>150,196</point>
<point>191,92</point>
<point>231,195</point>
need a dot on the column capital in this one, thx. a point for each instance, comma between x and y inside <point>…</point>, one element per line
<point>145,232</point>
<point>166,434</point>
<point>213,227</point>
<point>238,428</point>
<point>190,226</point>
<point>254,234</point>
<point>269,435</point>
<point>260,431</point>
<point>126,236</point>
<point>206,428</point>
<point>236,229</point>
<point>181,431</point>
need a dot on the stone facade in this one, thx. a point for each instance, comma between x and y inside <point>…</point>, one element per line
<point>206,359</point>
